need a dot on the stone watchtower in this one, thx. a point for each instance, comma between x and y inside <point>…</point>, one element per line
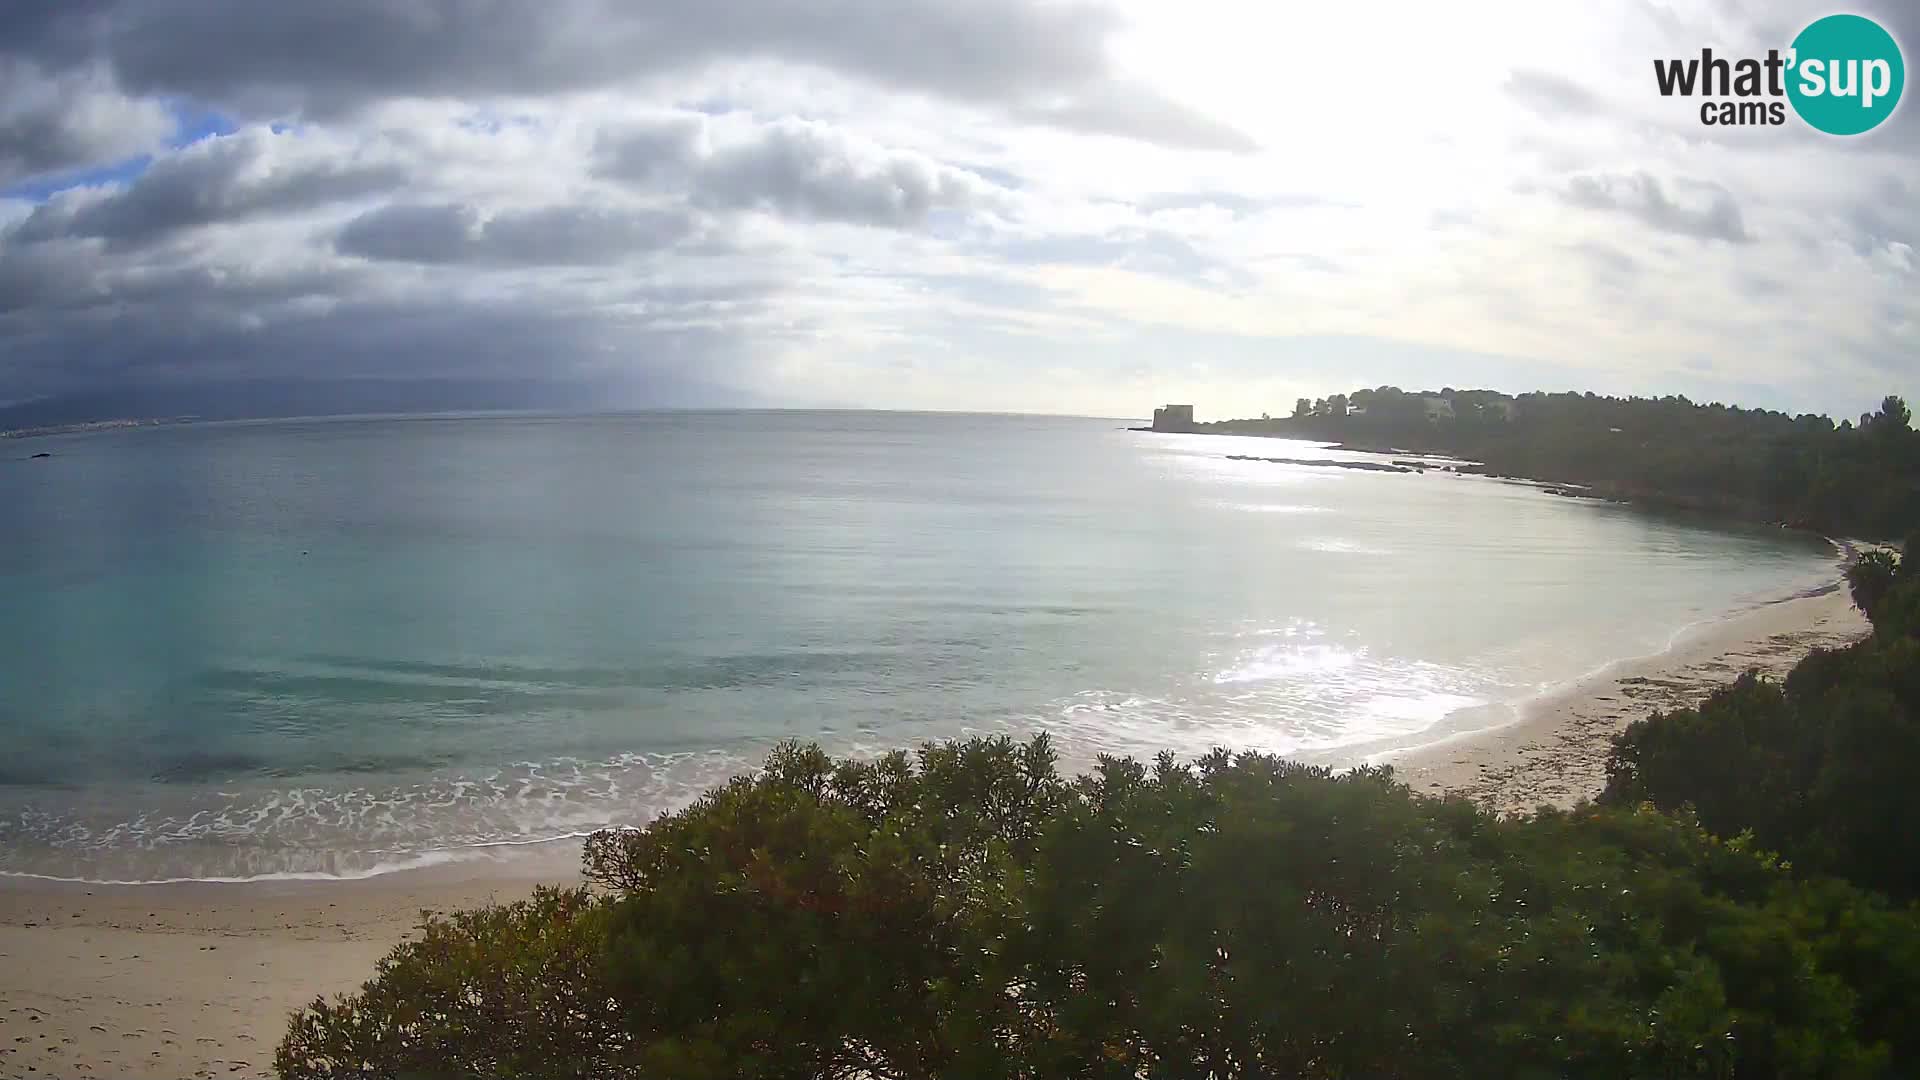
<point>1173,418</point>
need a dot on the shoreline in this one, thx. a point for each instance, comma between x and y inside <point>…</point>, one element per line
<point>1554,753</point>
<point>197,978</point>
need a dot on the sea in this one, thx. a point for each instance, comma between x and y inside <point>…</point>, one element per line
<point>338,648</point>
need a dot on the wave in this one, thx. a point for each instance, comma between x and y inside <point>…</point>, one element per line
<point>314,832</point>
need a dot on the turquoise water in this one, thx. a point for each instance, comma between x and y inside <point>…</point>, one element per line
<point>337,647</point>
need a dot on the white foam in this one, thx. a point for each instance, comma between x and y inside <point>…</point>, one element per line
<point>314,833</point>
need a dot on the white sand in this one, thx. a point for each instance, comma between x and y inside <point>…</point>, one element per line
<point>198,980</point>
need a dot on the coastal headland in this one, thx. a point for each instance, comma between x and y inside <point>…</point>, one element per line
<point>1808,471</point>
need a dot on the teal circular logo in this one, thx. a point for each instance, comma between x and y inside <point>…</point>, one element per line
<point>1846,74</point>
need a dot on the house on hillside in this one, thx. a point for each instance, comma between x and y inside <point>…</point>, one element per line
<point>1438,408</point>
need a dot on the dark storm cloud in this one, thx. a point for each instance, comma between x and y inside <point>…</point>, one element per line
<point>58,123</point>
<point>51,282</point>
<point>62,32</point>
<point>358,337</point>
<point>44,275</point>
<point>229,178</point>
<point>547,236</point>
<point>86,325</point>
<point>1706,211</point>
<point>1045,61</point>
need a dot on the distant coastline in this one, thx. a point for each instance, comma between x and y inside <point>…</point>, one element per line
<point>92,425</point>
<point>1803,472</point>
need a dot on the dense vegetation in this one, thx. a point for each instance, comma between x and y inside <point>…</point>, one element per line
<point>1821,768</point>
<point>1847,479</point>
<point>969,912</point>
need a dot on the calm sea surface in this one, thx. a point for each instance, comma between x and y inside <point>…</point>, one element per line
<point>337,647</point>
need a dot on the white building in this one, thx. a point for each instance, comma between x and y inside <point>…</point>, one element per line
<point>1438,408</point>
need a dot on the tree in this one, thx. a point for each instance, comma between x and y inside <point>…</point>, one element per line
<point>1664,453</point>
<point>1894,415</point>
<point>1302,408</point>
<point>1870,579</point>
<point>967,911</point>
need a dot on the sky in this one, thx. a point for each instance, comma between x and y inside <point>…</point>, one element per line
<point>1065,207</point>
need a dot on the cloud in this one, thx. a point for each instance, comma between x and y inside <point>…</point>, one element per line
<point>656,148</point>
<point>413,233</point>
<point>1551,94</point>
<point>1006,204</point>
<point>78,118</point>
<point>71,322</point>
<point>219,179</point>
<point>796,168</point>
<point>1047,61</point>
<point>1136,112</point>
<point>809,170</point>
<point>1706,211</point>
<point>42,277</point>
<point>543,236</point>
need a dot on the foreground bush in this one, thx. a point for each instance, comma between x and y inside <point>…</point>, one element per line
<point>509,991</point>
<point>971,913</point>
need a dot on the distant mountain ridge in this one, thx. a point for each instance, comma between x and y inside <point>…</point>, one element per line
<point>260,399</point>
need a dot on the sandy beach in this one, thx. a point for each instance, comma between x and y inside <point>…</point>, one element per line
<point>1556,754</point>
<point>196,980</point>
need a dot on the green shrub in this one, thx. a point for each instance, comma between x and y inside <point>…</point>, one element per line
<point>507,991</point>
<point>969,912</point>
